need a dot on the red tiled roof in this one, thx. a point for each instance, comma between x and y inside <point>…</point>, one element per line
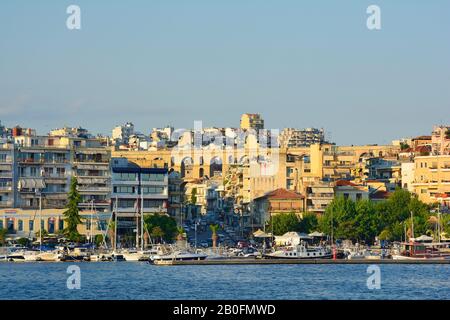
<point>340,183</point>
<point>283,194</point>
<point>380,195</point>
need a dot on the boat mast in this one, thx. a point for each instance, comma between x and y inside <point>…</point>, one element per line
<point>40,221</point>
<point>412,225</point>
<point>115,226</point>
<point>142,219</point>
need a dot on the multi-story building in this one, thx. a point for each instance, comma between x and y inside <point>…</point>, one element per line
<point>252,121</point>
<point>121,134</point>
<point>176,196</point>
<point>297,138</point>
<point>91,167</point>
<point>440,140</point>
<point>136,192</point>
<point>432,177</point>
<point>6,175</point>
<point>273,203</point>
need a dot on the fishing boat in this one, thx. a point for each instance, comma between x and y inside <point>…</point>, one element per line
<point>419,251</point>
<point>300,251</point>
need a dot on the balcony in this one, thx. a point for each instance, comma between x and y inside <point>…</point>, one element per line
<point>93,189</point>
<point>6,203</point>
<point>6,175</point>
<point>93,180</point>
<point>6,189</point>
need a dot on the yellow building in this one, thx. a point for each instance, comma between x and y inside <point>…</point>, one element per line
<point>24,223</point>
<point>252,121</point>
<point>432,177</point>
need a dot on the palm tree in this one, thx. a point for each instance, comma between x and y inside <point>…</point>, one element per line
<point>214,228</point>
<point>157,232</point>
<point>112,233</point>
<point>180,234</point>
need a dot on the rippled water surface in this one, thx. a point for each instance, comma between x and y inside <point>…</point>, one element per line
<point>145,281</point>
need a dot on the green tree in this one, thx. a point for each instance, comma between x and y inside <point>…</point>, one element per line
<point>24,242</point>
<point>283,222</point>
<point>72,215</point>
<point>308,223</point>
<point>167,224</point>
<point>340,217</point>
<point>98,240</point>
<point>194,196</point>
<point>214,228</point>
<point>180,233</point>
<point>157,233</point>
<point>3,233</point>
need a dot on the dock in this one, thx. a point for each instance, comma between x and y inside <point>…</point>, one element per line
<point>293,261</point>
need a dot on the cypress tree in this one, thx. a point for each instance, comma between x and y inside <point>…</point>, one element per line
<point>72,215</point>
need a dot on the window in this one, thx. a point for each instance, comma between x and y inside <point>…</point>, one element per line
<point>42,224</point>
<point>31,225</point>
<point>152,177</point>
<point>153,190</point>
<point>126,203</point>
<point>122,176</point>
<point>61,224</point>
<point>358,196</point>
<point>346,195</point>
<point>124,189</point>
<point>20,225</point>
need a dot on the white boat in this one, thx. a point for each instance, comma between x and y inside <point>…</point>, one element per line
<point>301,251</point>
<point>179,255</point>
<point>50,256</point>
<point>135,255</point>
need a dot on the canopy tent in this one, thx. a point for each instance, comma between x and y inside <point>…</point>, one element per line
<point>317,234</point>
<point>423,238</point>
<point>291,238</point>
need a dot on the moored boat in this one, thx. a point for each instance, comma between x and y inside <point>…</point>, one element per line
<point>300,251</point>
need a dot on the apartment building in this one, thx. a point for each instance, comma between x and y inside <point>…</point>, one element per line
<point>432,178</point>
<point>297,138</point>
<point>440,140</point>
<point>6,175</point>
<point>45,165</point>
<point>252,121</point>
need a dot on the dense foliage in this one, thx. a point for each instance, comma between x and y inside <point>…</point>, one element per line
<point>72,215</point>
<point>161,227</point>
<point>365,220</point>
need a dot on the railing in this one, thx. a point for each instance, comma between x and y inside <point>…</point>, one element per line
<point>94,189</point>
<point>6,203</point>
<point>5,174</point>
<point>6,188</point>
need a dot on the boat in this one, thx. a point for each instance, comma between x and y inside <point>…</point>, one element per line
<point>178,255</point>
<point>419,251</point>
<point>135,255</point>
<point>300,251</point>
<point>77,254</point>
<point>50,256</point>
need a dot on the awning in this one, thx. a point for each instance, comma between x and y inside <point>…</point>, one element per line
<point>261,234</point>
<point>31,183</point>
<point>317,234</point>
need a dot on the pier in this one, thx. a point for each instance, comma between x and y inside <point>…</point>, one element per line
<point>294,261</point>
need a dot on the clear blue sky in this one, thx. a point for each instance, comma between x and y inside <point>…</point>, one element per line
<point>159,62</point>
